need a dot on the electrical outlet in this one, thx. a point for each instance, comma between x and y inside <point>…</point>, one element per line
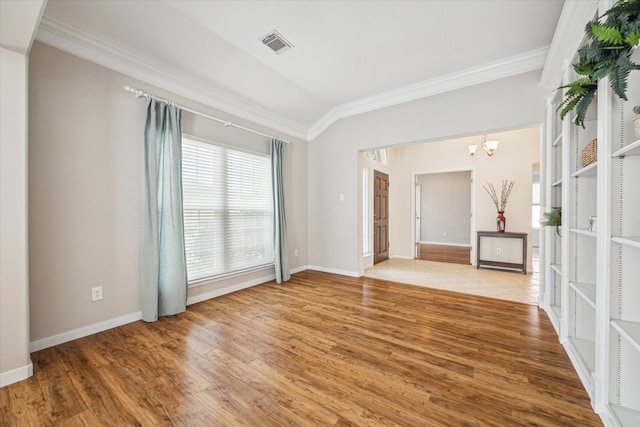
<point>445,234</point>
<point>295,252</point>
<point>498,251</point>
<point>96,293</point>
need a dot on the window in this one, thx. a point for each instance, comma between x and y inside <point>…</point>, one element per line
<point>366,211</point>
<point>535,205</point>
<point>228,209</point>
<point>379,155</point>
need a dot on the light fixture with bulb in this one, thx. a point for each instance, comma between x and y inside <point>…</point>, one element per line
<point>489,146</point>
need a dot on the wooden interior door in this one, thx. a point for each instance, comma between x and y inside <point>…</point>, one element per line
<point>380,216</point>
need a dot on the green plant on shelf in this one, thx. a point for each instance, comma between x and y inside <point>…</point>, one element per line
<point>553,219</point>
<point>612,39</point>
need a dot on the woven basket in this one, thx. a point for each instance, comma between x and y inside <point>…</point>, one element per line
<point>590,153</point>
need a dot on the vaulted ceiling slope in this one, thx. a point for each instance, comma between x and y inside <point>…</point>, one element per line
<point>348,56</point>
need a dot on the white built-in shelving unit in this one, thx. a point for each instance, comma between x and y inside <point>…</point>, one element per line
<point>591,288</point>
<point>553,198</point>
<point>623,243</point>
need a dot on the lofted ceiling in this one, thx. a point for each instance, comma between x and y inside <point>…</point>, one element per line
<point>348,56</point>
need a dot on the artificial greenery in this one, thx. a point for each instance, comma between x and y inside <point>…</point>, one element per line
<point>553,218</point>
<point>607,54</point>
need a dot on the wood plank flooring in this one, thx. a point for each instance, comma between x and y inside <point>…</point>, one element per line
<point>445,253</point>
<point>320,350</point>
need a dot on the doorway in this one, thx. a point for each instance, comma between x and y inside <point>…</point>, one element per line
<point>443,216</point>
<point>380,216</point>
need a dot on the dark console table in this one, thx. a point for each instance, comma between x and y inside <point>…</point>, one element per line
<point>503,265</point>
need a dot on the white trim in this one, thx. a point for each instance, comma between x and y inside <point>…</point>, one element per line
<point>472,193</point>
<point>15,375</point>
<point>299,269</point>
<point>76,42</point>
<point>506,67</point>
<point>69,39</point>
<point>397,256</point>
<point>462,245</point>
<point>334,271</point>
<point>84,331</point>
<point>133,317</point>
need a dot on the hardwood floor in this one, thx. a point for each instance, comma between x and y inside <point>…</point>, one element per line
<point>321,350</point>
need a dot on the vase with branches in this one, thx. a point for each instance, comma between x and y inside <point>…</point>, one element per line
<point>501,202</point>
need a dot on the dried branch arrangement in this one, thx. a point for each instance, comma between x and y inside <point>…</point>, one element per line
<point>501,203</point>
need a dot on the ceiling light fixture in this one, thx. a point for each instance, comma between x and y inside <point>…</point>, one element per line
<point>489,146</point>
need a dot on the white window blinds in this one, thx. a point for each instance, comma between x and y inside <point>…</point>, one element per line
<point>228,209</point>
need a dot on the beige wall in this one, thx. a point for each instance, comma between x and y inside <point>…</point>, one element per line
<point>85,192</point>
<point>334,236</point>
<point>445,207</point>
<point>15,363</point>
<point>519,150</point>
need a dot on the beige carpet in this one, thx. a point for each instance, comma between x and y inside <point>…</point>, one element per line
<point>505,285</point>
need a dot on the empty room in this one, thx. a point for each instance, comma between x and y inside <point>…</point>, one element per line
<point>319,213</point>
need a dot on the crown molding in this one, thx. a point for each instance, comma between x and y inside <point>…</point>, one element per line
<point>566,40</point>
<point>507,67</point>
<point>71,40</point>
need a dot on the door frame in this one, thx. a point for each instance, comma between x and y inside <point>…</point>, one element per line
<point>472,231</point>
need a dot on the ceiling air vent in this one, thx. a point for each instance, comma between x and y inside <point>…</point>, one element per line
<point>276,42</point>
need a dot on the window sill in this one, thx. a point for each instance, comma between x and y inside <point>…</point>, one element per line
<point>220,277</point>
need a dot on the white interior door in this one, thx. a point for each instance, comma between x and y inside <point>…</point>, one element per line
<point>417,218</point>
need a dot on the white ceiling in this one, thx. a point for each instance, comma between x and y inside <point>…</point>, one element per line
<point>346,53</point>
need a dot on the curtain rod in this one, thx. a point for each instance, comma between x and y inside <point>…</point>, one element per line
<point>142,94</point>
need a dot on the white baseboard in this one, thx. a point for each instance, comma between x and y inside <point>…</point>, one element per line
<point>334,271</point>
<point>84,331</point>
<point>299,269</point>
<point>396,256</point>
<point>15,375</point>
<point>64,337</point>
